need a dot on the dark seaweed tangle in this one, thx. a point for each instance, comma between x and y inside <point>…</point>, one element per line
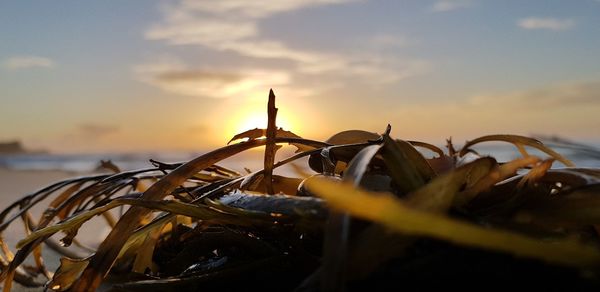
<point>365,211</point>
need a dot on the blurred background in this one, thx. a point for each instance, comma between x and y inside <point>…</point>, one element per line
<point>82,81</point>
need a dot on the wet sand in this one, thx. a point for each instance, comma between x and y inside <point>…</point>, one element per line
<point>16,183</point>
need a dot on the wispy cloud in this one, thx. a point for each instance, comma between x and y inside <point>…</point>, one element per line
<point>96,130</point>
<point>256,9</point>
<point>200,128</point>
<point>26,62</point>
<point>567,109</point>
<point>448,5</point>
<point>182,27</point>
<point>234,26</point>
<point>546,23</point>
<point>241,36</point>
<point>175,77</point>
<point>381,41</point>
<point>565,95</point>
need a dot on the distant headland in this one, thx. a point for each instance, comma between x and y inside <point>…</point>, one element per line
<point>16,147</point>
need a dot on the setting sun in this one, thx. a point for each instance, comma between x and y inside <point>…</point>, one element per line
<point>256,117</point>
<point>251,113</point>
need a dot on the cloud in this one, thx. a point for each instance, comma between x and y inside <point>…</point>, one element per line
<point>96,130</point>
<point>448,5</point>
<point>381,41</point>
<point>234,26</point>
<point>227,24</point>
<point>175,77</point>
<point>568,109</point>
<point>26,62</point>
<point>201,128</point>
<point>254,9</point>
<point>185,29</point>
<point>241,37</point>
<point>566,95</point>
<point>192,76</point>
<point>546,23</point>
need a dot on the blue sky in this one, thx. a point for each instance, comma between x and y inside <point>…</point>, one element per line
<point>183,75</point>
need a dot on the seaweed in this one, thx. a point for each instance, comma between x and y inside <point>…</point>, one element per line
<point>374,207</point>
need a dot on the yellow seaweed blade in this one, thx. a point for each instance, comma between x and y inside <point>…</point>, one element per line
<point>438,195</point>
<point>387,210</point>
<point>67,273</point>
<point>72,223</point>
<point>519,142</point>
<point>138,237</point>
<point>144,253</point>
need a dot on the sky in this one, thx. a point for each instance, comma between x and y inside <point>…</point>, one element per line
<point>185,75</point>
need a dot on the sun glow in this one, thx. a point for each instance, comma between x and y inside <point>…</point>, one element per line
<point>251,119</point>
<point>254,115</point>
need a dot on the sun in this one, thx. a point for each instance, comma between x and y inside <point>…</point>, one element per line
<point>237,115</point>
<point>252,116</point>
<point>256,120</point>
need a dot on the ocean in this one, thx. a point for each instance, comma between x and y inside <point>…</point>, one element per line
<point>85,163</point>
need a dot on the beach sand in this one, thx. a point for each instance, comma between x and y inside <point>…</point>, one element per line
<point>15,184</point>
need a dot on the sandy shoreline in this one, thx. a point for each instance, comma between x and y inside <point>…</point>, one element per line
<point>15,184</point>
